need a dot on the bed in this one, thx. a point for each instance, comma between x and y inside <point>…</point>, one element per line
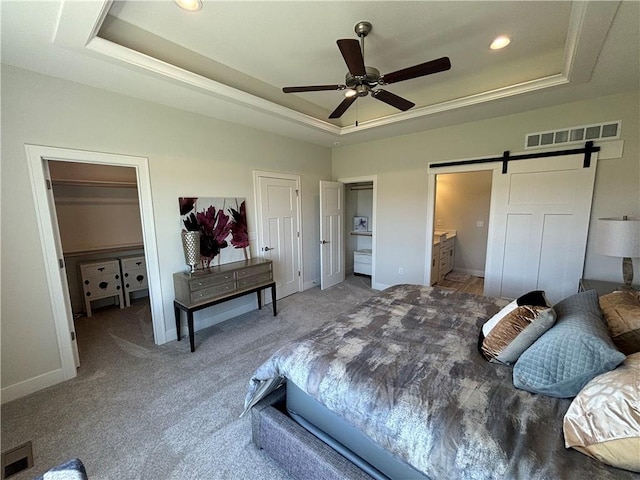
<point>399,387</point>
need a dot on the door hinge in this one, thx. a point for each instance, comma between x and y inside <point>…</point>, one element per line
<point>297,193</point>
<point>298,234</point>
<point>61,263</point>
<point>298,273</point>
<point>48,182</point>
<point>73,336</point>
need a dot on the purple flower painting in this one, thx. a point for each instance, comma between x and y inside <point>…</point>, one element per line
<point>222,223</point>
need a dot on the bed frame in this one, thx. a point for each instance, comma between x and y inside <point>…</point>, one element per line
<point>295,449</point>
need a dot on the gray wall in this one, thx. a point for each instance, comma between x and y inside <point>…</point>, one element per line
<point>401,165</point>
<point>189,155</point>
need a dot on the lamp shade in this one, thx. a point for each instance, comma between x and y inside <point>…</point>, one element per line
<point>618,237</point>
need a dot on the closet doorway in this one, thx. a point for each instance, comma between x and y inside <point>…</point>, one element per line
<point>38,158</point>
<point>98,217</point>
<point>360,226</point>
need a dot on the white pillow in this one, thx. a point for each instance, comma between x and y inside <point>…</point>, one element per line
<point>493,321</point>
<point>603,421</point>
<point>535,298</point>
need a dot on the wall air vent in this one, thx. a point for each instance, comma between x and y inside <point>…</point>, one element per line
<point>571,135</point>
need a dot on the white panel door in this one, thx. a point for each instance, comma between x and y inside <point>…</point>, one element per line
<point>539,225</point>
<point>278,230</point>
<point>331,234</point>
<point>63,269</point>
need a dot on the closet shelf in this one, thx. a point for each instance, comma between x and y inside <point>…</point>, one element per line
<point>362,234</point>
<point>109,249</point>
<point>93,183</point>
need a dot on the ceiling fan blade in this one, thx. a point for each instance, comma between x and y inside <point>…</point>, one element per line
<point>427,68</point>
<point>346,103</point>
<point>392,99</point>
<point>350,50</point>
<point>313,88</point>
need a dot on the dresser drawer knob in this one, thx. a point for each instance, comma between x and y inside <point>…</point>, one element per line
<point>86,282</point>
<point>103,285</point>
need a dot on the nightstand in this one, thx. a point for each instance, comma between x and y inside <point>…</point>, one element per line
<point>601,286</point>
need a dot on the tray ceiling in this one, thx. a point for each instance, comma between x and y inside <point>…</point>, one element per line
<point>230,60</point>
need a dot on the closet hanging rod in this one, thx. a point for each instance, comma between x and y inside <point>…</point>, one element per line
<point>363,187</point>
<point>506,157</point>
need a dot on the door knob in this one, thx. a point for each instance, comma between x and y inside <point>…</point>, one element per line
<point>322,242</point>
<point>266,249</point>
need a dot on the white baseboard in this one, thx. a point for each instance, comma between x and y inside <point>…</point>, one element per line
<point>379,286</point>
<point>311,284</point>
<point>211,320</point>
<point>26,387</point>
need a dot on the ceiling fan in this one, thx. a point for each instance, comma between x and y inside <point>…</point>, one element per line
<point>361,80</point>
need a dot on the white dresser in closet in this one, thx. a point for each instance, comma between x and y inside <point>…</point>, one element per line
<point>134,275</point>
<point>362,261</point>
<point>100,279</point>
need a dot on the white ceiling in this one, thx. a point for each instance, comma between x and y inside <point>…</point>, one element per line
<point>231,59</point>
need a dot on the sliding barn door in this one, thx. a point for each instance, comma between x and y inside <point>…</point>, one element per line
<point>539,225</point>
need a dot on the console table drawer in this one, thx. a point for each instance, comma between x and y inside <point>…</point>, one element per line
<point>248,272</point>
<point>254,280</point>
<point>221,280</point>
<point>210,280</point>
<point>212,292</point>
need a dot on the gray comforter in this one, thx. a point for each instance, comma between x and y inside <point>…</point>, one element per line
<point>404,368</point>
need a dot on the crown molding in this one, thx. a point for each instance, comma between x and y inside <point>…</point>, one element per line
<point>589,23</point>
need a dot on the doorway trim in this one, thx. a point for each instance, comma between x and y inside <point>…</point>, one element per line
<point>373,224</point>
<point>36,156</point>
<point>431,204</point>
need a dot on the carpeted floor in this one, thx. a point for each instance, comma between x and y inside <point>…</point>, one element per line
<point>141,411</point>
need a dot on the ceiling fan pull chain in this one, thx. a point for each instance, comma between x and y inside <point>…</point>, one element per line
<point>356,113</point>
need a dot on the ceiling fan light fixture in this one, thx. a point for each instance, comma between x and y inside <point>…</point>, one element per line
<point>189,5</point>
<point>349,92</point>
<point>500,42</point>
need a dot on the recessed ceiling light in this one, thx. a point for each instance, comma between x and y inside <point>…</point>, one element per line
<point>500,42</point>
<point>189,5</point>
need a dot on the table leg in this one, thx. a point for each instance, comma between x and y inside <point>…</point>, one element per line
<point>191,334</point>
<point>273,299</point>
<point>177,312</point>
<point>259,299</point>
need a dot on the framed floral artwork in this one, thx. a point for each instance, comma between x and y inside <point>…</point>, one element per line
<point>222,223</point>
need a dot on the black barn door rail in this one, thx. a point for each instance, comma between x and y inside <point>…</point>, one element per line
<point>506,158</point>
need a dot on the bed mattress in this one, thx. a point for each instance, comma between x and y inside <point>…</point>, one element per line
<point>404,370</point>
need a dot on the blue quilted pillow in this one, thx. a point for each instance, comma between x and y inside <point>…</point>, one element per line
<point>576,349</point>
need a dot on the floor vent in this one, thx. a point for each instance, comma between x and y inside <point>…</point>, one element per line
<point>567,136</point>
<point>16,460</point>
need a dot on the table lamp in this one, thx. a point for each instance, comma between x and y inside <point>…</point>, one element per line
<point>620,237</point>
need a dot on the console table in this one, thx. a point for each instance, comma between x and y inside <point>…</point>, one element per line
<point>214,285</point>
